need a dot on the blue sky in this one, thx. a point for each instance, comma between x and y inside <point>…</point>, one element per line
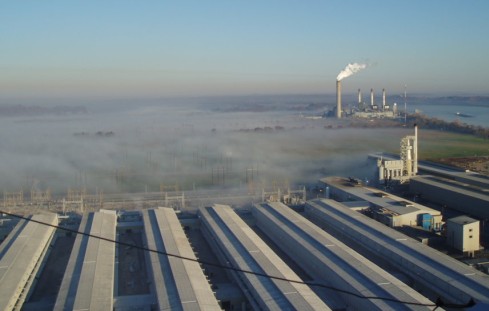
<point>195,48</point>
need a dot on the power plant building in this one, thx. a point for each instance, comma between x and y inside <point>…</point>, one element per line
<point>363,110</point>
<point>446,277</point>
<point>333,263</point>
<point>178,284</point>
<point>238,246</point>
<point>21,255</point>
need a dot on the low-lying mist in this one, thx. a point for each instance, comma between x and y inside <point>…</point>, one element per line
<point>185,145</point>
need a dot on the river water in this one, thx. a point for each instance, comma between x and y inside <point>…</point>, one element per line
<point>479,115</point>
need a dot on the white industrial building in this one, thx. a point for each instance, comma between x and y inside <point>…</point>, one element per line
<point>238,246</point>
<point>21,255</point>
<point>463,234</point>
<point>405,168</point>
<point>177,284</point>
<point>387,208</point>
<point>448,278</point>
<point>333,263</point>
<point>88,283</point>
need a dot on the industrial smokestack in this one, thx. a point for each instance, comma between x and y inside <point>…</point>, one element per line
<point>383,99</point>
<point>349,70</point>
<point>415,150</point>
<point>372,97</point>
<point>359,96</point>
<point>338,99</point>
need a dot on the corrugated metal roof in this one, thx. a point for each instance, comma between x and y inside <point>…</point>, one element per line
<point>179,284</point>
<point>88,283</point>
<point>448,277</point>
<point>21,253</point>
<point>332,261</point>
<point>245,250</point>
<point>481,194</point>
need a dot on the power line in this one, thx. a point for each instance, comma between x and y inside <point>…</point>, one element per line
<point>439,302</point>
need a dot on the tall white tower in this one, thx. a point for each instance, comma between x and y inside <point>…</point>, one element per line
<point>383,99</point>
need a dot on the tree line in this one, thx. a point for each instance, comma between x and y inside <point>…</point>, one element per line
<point>452,126</point>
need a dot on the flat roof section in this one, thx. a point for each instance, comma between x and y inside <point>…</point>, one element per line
<point>388,201</point>
<point>452,280</point>
<point>334,263</point>
<point>88,283</point>
<point>463,220</point>
<point>241,247</point>
<point>20,257</point>
<point>178,284</point>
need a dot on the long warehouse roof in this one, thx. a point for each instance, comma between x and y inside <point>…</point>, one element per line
<point>20,253</point>
<point>333,261</point>
<point>88,283</point>
<point>245,250</point>
<point>472,178</point>
<point>455,187</point>
<point>179,284</point>
<point>448,277</point>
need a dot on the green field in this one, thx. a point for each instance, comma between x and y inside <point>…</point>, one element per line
<point>436,145</point>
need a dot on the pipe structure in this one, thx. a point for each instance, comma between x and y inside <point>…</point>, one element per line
<point>359,96</point>
<point>338,99</point>
<point>372,97</point>
<point>409,158</point>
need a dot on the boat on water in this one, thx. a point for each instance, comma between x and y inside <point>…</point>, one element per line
<point>464,115</point>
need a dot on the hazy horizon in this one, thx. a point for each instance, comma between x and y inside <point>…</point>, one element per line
<point>89,99</point>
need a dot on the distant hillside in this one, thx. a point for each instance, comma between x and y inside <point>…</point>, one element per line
<point>445,100</point>
<point>469,100</point>
<point>21,110</point>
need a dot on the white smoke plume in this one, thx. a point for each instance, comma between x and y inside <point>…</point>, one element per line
<point>349,70</point>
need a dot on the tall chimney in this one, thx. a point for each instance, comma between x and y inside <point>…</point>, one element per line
<point>338,99</point>
<point>415,150</point>
<point>372,97</point>
<point>359,96</point>
<point>383,99</point>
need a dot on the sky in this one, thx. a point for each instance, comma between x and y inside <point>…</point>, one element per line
<point>76,49</point>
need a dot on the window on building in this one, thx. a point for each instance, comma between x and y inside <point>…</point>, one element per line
<point>470,237</point>
<point>470,230</point>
